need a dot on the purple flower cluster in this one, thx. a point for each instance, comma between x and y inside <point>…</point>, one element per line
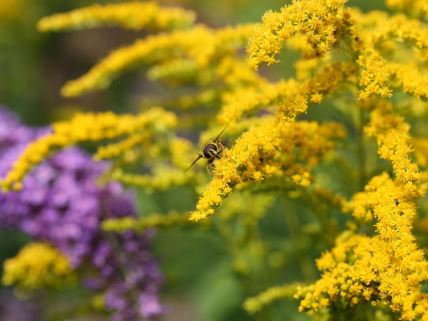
<point>61,203</point>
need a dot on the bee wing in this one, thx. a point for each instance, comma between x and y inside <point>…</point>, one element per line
<point>194,162</point>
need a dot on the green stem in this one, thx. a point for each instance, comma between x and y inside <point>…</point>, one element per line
<point>361,150</point>
<point>295,230</point>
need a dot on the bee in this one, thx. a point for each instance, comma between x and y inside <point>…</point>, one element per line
<point>396,202</point>
<point>211,151</point>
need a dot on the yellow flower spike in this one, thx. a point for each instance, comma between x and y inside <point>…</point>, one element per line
<point>175,70</point>
<point>199,44</point>
<point>84,128</point>
<point>410,79</point>
<point>144,51</point>
<point>305,68</point>
<point>393,138</point>
<point>130,15</point>
<point>262,148</point>
<point>236,73</point>
<point>140,224</point>
<point>204,97</point>
<point>117,149</point>
<point>382,193</point>
<point>368,269</point>
<point>421,151</point>
<point>411,30</point>
<point>38,265</point>
<point>374,75</point>
<point>414,7</point>
<point>289,97</point>
<point>161,178</point>
<point>256,303</point>
<point>302,180</point>
<point>387,268</point>
<point>373,39</point>
<point>318,20</point>
<point>181,152</point>
<point>246,100</point>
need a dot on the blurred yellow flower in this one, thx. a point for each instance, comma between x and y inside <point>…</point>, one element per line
<point>38,265</point>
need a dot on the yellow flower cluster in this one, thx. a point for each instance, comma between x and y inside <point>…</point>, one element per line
<point>142,223</point>
<point>388,268</point>
<point>83,128</point>
<point>274,147</point>
<point>392,135</point>
<point>414,7</point>
<point>188,101</point>
<point>168,157</point>
<point>122,147</point>
<point>160,178</point>
<point>421,151</point>
<point>131,15</point>
<point>380,53</point>
<point>256,303</point>
<point>199,44</point>
<point>38,265</point>
<point>181,151</point>
<point>318,20</point>
<point>369,35</point>
<point>410,79</point>
<point>235,73</point>
<point>249,99</point>
<point>290,97</point>
<point>177,69</point>
<point>366,269</point>
<point>374,75</point>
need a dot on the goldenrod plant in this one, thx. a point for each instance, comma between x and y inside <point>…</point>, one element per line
<point>306,140</point>
<point>38,265</point>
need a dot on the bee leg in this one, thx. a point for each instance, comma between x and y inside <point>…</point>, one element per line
<point>217,154</point>
<point>210,169</point>
<point>210,166</point>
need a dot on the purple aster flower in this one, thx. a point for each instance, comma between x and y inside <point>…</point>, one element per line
<point>62,203</point>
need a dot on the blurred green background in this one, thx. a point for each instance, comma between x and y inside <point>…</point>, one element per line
<point>33,67</point>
